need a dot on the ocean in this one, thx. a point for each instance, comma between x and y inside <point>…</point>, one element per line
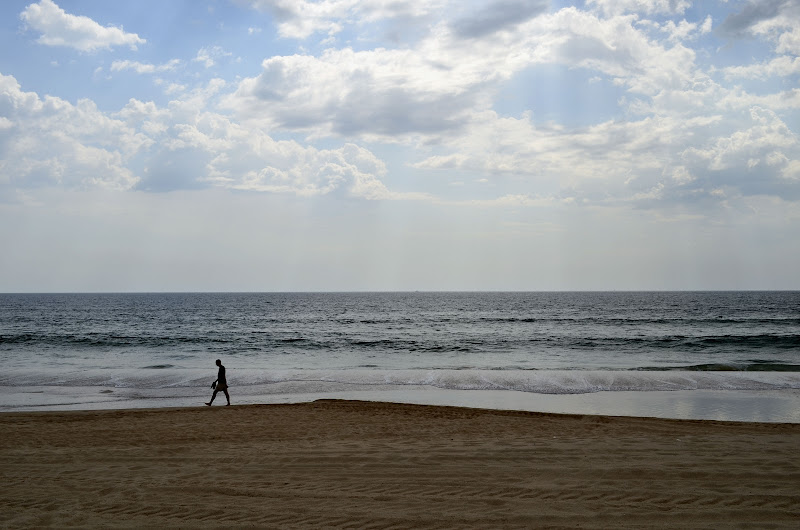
<point>705,355</point>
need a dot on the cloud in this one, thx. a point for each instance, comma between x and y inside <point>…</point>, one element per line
<point>784,66</point>
<point>59,28</point>
<point>299,19</point>
<point>648,7</point>
<point>737,98</point>
<point>683,30</point>
<point>52,142</point>
<point>210,55</point>
<point>46,142</point>
<point>742,24</point>
<point>615,47</point>
<point>681,131</point>
<point>789,41</point>
<point>559,160</point>
<point>434,87</point>
<point>343,92</point>
<point>791,170</point>
<point>144,68</point>
<point>659,160</point>
<point>762,143</point>
<point>778,20</point>
<point>193,148</point>
<point>498,15</point>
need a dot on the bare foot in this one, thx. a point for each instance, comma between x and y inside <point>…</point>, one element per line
<point>209,404</point>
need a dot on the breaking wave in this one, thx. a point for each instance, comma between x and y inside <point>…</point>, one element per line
<point>534,381</point>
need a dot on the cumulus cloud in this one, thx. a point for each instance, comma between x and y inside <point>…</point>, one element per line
<point>59,28</point>
<point>195,148</point>
<point>52,142</point>
<point>379,92</point>
<point>655,159</point>
<point>434,88</point>
<point>683,135</point>
<point>762,143</point>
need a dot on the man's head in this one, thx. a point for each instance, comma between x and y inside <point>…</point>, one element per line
<point>219,363</point>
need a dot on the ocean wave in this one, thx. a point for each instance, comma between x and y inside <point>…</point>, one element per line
<point>434,343</point>
<point>534,381</point>
<point>751,366</point>
<point>109,340</point>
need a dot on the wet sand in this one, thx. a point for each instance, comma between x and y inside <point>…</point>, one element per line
<point>379,465</point>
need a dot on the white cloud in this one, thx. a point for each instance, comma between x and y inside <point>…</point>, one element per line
<point>387,93</point>
<point>434,88</point>
<point>681,126</point>
<point>613,46</point>
<point>301,18</point>
<point>706,27</point>
<point>777,20</point>
<point>681,175</point>
<point>683,30</point>
<point>761,144</point>
<point>174,88</point>
<point>210,55</point>
<point>783,66</point>
<point>791,170</point>
<point>789,41</point>
<point>737,98</point>
<point>49,142</point>
<point>144,68</point>
<point>58,28</point>
<point>195,148</point>
<point>662,158</point>
<point>609,152</point>
<point>56,143</point>
<point>648,7</point>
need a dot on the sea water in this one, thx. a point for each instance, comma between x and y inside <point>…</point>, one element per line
<point>707,355</point>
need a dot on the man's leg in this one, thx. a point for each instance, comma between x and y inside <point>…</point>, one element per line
<point>213,396</point>
<point>227,396</point>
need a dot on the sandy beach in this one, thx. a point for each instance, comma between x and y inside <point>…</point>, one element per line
<point>380,465</point>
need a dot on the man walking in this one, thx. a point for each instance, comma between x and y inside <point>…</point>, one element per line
<point>220,384</point>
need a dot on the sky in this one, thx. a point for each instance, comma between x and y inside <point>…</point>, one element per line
<point>340,145</point>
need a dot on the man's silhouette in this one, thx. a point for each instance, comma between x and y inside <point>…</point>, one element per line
<point>220,384</point>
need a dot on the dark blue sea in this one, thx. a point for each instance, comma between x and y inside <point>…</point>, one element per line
<point>113,350</point>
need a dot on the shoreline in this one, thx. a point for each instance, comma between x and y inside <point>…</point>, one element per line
<point>336,463</point>
<point>370,403</point>
<point>761,406</point>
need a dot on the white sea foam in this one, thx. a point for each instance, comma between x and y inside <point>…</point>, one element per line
<point>532,381</point>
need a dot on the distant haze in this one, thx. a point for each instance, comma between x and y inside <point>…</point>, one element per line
<point>271,145</point>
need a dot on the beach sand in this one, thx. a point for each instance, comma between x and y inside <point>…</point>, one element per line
<point>380,465</point>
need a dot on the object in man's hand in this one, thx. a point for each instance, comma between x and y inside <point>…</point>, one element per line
<point>214,384</point>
